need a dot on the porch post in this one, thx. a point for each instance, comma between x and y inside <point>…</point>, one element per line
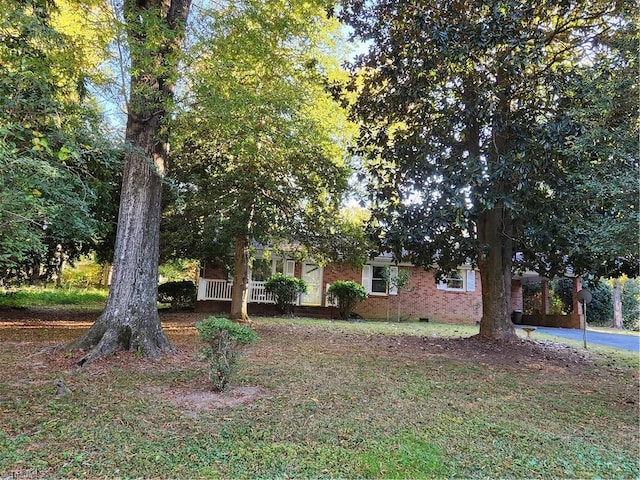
<point>202,288</point>
<point>544,284</point>
<point>577,305</point>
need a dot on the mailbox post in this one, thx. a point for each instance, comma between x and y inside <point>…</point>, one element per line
<point>585,297</point>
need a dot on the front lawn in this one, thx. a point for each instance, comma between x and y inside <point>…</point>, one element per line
<point>52,298</point>
<point>319,399</point>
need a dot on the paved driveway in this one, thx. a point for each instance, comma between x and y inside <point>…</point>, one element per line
<point>617,340</point>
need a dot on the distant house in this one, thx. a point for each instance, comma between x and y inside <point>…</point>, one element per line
<point>457,299</point>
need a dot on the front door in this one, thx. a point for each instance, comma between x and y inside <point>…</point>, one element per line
<point>312,274</point>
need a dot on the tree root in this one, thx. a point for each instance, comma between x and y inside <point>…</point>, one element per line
<point>104,339</point>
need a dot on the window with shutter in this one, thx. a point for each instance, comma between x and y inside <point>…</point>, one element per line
<point>458,281</point>
<point>373,279</point>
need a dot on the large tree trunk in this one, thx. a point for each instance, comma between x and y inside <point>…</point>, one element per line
<point>130,320</point>
<point>617,304</point>
<point>240,291</point>
<point>495,235</point>
<point>494,262</point>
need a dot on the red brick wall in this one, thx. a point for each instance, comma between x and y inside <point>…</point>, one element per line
<point>516,295</point>
<point>420,300</point>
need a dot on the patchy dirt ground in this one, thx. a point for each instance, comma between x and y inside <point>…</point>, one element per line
<point>35,331</point>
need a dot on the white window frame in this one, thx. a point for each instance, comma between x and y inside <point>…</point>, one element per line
<point>468,277</point>
<point>288,267</point>
<point>367,279</point>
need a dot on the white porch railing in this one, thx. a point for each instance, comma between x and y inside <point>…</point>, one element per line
<point>210,289</point>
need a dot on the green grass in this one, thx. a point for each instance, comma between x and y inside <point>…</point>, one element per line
<point>30,297</point>
<point>443,330</point>
<point>342,400</point>
<point>616,331</point>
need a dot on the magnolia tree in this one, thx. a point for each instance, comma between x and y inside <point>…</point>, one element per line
<point>478,125</point>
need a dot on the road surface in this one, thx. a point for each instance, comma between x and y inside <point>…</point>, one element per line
<point>616,340</point>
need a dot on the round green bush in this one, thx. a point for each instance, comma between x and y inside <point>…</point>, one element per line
<point>180,295</point>
<point>348,294</point>
<point>285,290</point>
<point>600,310</point>
<point>224,339</point>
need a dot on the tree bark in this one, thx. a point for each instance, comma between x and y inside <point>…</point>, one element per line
<point>495,234</point>
<point>494,262</point>
<point>130,320</point>
<point>617,304</point>
<point>240,290</point>
<point>58,265</point>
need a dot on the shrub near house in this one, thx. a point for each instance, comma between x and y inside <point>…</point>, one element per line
<point>180,295</point>
<point>286,291</point>
<point>347,294</point>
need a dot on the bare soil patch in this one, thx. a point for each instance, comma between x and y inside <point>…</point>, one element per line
<point>203,398</point>
<point>518,353</point>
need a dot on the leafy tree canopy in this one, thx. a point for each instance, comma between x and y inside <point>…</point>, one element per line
<point>260,147</point>
<point>477,127</point>
<point>55,165</point>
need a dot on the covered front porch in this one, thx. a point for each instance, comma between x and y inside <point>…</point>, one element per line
<point>544,318</point>
<point>214,296</point>
<point>220,290</point>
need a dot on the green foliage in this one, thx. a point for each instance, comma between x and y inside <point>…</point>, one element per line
<point>348,294</point>
<point>631,304</point>
<point>397,279</point>
<point>260,146</point>
<point>56,164</point>
<point>560,297</point>
<point>600,310</point>
<point>286,290</point>
<point>562,294</point>
<point>180,295</point>
<point>178,269</point>
<point>83,274</point>
<point>479,122</point>
<point>224,339</point>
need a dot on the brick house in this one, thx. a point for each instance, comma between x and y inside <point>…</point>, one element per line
<point>458,299</point>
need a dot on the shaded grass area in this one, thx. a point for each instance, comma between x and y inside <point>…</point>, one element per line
<point>343,400</point>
